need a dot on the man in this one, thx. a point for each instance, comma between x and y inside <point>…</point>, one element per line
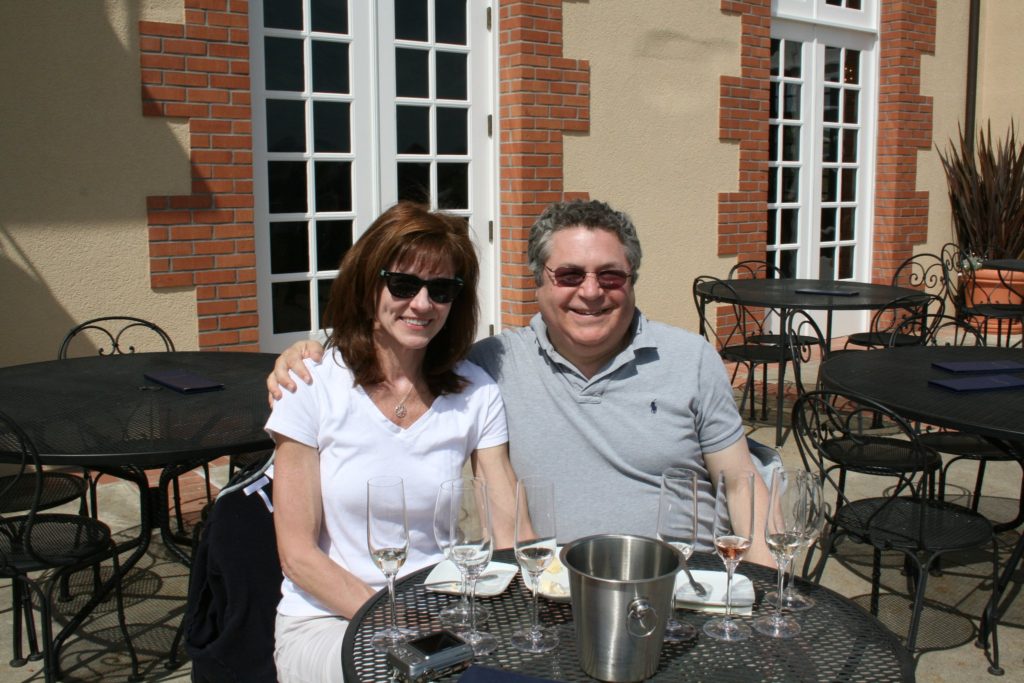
<point>598,398</point>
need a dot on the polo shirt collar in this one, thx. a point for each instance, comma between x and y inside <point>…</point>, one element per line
<point>640,337</point>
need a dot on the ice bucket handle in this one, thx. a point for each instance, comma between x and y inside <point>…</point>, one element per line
<point>641,618</point>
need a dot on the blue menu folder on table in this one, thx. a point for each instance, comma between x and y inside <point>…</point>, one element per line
<point>979,382</point>
<point>183,381</point>
<point>973,366</point>
<point>826,291</point>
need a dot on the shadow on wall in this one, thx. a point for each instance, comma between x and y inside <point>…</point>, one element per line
<point>78,161</point>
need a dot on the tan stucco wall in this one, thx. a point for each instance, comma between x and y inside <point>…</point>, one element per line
<point>78,160</point>
<point>1000,84</point>
<point>653,147</point>
<point>944,79</point>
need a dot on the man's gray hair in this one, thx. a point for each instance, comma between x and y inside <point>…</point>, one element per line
<point>590,214</point>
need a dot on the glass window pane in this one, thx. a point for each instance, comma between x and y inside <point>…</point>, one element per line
<point>773,142</point>
<point>828,184</point>
<point>846,262</point>
<point>412,128</point>
<point>286,126</point>
<point>451,76</point>
<point>286,185</point>
<point>333,239</point>
<point>414,182</point>
<point>846,222</point>
<point>283,62</point>
<point>412,74</point>
<point>827,263</point>
<point>330,67</point>
<point>771,217</point>
<point>329,16</point>
<point>333,185</point>
<point>792,103</point>
<point>453,186</point>
<point>830,144</point>
<point>450,21</point>
<point>851,70</point>
<point>289,247</point>
<point>827,229</point>
<point>787,262</point>
<point>853,4</point>
<point>290,306</point>
<point>774,68</point>
<point>452,131</point>
<point>849,184</point>
<point>790,184</point>
<point>323,295</point>
<point>791,143</point>
<point>849,146</point>
<point>282,14</point>
<point>793,58</point>
<point>850,113</point>
<point>773,100</point>
<point>332,128</point>
<point>773,183</point>
<point>832,56</point>
<point>789,226</point>
<point>831,110</point>
<point>411,20</point>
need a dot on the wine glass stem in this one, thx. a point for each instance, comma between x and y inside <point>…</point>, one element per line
<point>730,567</point>
<point>472,603</point>
<point>464,599</point>
<point>784,567</point>
<point>391,598</point>
<point>535,630</point>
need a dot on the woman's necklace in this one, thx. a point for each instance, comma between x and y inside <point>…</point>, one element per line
<point>400,411</point>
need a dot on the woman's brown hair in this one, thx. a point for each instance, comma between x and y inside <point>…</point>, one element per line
<point>404,236</point>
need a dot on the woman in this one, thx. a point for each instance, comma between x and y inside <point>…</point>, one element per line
<point>392,395</point>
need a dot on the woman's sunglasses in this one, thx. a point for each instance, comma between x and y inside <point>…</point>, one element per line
<point>570,276</point>
<point>441,290</point>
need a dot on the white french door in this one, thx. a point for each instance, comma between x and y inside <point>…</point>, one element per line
<point>358,104</point>
<point>821,155</point>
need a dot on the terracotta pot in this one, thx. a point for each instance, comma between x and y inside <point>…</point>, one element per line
<point>989,288</point>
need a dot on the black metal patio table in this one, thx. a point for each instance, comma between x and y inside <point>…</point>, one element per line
<point>101,413</point>
<point>898,378</point>
<point>790,294</point>
<point>839,640</point>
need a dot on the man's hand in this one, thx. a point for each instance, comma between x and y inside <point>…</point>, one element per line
<point>292,359</point>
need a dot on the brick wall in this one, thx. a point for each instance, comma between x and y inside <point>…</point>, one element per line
<point>904,127</point>
<point>542,95</point>
<point>199,71</point>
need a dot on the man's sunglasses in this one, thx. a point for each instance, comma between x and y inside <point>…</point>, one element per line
<point>441,290</point>
<point>570,276</point>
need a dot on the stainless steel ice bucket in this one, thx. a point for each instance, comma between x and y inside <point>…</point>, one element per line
<point>621,588</point>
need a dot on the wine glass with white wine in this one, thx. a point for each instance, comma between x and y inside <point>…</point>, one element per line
<point>734,533</point>
<point>677,526</point>
<point>535,544</point>
<point>387,538</point>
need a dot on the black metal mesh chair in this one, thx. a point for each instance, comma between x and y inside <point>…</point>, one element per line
<point>907,518</point>
<point>740,339</point>
<point>114,335</point>
<point>889,324</point>
<point>39,549</point>
<point>985,306</point>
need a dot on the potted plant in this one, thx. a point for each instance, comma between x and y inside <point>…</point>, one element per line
<point>986,195</point>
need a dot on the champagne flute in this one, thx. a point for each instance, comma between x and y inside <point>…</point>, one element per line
<point>677,526</point>
<point>455,616</point>
<point>387,537</point>
<point>792,599</point>
<point>734,532</point>
<point>789,516</point>
<point>535,550</point>
<point>471,549</point>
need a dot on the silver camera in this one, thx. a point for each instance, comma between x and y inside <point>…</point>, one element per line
<point>429,657</point>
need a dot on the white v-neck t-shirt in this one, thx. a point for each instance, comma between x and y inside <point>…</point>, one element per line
<point>356,442</point>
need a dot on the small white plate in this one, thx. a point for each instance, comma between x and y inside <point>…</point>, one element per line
<point>714,601</point>
<point>445,578</point>
<point>554,582</point>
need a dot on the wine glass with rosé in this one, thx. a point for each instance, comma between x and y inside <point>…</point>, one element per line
<point>733,535</point>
